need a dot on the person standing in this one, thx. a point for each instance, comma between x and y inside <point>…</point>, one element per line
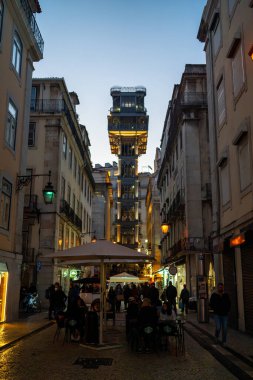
<point>221,304</point>
<point>184,298</point>
<point>171,294</point>
<point>58,299</point>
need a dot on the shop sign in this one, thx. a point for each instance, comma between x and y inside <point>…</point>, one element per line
<point>173,270</point>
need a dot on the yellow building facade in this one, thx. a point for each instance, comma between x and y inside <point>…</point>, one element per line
<point>20,45</point>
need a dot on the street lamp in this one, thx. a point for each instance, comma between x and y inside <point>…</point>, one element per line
<point>165,227</point>
<point>48,191</point>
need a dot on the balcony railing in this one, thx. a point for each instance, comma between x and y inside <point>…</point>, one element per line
<point>176,209</point>
<point>32,24</point>
<point>48,105</point>
<point>70,214</point>
<point>193,99</point>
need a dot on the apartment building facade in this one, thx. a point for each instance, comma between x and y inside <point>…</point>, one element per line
<point>184,184</point>
<point>57,143</point>
<point>226,30</point>
<point>21,44</point>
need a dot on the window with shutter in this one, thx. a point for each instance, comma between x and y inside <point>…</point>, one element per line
<point>238,70</point>
<point>221,102</point>
<point>244,162</point>
<point>31,134</point>
<point>224,182</point>
<point>216,36</point>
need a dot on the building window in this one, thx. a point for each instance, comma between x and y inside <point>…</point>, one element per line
<point>1,18</point>
<point>10,136</point>
<point>5,204</point>
<point>64,145</point>
<point>75,166</point>
<point>77,208</point>
<point>67,238</point>
<point>238,70</point>
<point>216,34</point>
<point>31,134</point>
<point>63,186</point>
<point>72,239</point>
<point>74,202</point>
<point>70,157</point>
<point>244,162</point>
<point>17,53</point>
<point>68,194</point>
<point>221,102</point>
<point>224,182</point>
<point>60,237</point>
<point>34,98</point>
<point>79,175</point>
<point>81,212</point>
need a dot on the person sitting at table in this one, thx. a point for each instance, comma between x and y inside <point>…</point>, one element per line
<point>147,323</point>
<point>167,324</point>
<point>167,313</point>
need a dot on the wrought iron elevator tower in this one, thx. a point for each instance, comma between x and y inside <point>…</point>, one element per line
<point>128,133</point>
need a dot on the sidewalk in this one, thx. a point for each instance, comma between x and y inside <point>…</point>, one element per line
<point>11,333</point>
<point>236,340</point>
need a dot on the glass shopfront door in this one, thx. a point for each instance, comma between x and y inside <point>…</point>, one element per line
<point>3,290</point>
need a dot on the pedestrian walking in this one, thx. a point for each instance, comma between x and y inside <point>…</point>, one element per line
<point>220,303</point>
<point>171,294</point>
<point>184,298</point>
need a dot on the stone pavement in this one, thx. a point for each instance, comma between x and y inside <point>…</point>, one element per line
<point>236,340</point>
<point>197,362</point>
<point>10,333</point>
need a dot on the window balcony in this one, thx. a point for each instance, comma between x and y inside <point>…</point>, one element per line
<point>48,105</point>
<point>193,99</point>
<point>69,215</point>
<point>32,24</point>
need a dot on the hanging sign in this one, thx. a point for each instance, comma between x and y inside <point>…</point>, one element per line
<point>173,270</point>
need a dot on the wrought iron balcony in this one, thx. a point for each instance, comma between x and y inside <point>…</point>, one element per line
<point>70,215</point>
<point>31,22</point>
<point>48,105</point>
<point>193,99</point>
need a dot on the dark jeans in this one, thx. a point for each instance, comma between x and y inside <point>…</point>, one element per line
<point>221,322</point>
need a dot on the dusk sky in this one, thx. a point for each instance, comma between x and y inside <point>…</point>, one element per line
<point>96,44</point>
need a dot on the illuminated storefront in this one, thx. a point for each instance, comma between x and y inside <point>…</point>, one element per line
<point>3,290</point>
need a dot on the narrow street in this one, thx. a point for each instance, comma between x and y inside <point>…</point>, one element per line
<point>37,357</point>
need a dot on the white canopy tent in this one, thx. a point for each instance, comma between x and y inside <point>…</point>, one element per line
<point>124,277</point>
<point>100,253</point>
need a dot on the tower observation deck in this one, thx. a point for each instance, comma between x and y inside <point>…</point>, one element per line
<point>128,133</point>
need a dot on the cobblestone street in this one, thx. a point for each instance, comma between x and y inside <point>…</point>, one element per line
<point>37,357</point>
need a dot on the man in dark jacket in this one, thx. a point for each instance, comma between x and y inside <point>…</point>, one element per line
<point>220,303</point>
<point>171,294</point>
<point>184,297</point>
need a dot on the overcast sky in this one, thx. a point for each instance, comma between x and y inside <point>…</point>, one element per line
<point>96,44</point>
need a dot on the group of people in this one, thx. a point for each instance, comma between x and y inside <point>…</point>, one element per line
<point>142,304</point>
<point>74,312</point>
<point>145,322</point>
